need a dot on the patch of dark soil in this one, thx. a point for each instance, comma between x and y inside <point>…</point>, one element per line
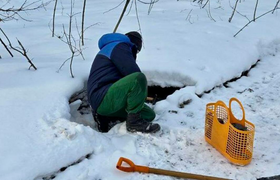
<point>270,178</point>
<point>245,73</point>
<point>53,175</point>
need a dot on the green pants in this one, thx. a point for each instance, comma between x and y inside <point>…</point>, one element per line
<point>125,96</point>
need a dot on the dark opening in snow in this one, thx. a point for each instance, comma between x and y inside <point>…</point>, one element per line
<point>226,84</point>
<point>158,93</point>
<point>155,94</point>
<point>270,178</point>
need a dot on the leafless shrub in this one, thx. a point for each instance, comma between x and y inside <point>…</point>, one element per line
<point>254,20</point>
<point>74,44</point>
<point>20,49</point>
<point>72,35</point>
<point>9,12</point>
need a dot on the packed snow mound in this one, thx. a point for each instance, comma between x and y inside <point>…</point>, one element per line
<point>204,50</point>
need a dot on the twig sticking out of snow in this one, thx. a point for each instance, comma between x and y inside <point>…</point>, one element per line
<point>20,50</point>
<point>229,20</point>
<point>254,20</point>
<point>275,6</point>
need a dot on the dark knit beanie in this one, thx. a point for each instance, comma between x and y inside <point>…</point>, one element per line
<point>136,39</point>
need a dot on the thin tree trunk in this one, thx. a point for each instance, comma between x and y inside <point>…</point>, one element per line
<point>83,21</point>
<point>255,11</point>
<point>233,11</point>
<point>124,9</point>
<point>275,6</point>
<point>54,10</point>
<point>6,47</point>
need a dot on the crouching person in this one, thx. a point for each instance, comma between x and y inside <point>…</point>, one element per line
<point>117,89</point>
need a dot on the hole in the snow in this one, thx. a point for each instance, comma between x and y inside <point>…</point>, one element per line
<point>157,93</point>
<point>79,102</point>
<point>245,73</point>
<point>80,109</point>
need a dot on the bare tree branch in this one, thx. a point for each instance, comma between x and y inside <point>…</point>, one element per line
<point>239,12</point>
<point>13,13</point>
<point>253,21</point>
<point>80,43</point>
<point>200,1</point>
<point>152,2</point>
<point>114,7</point>
<point>83,22</point>
<point>209,12</point>
<point>6,47</point>
<point>63,64</point>
<point>24,53</point>
<point>205,3</point>
<point>69,38</point>
<point>229,20</point>
<point>189,16</point>
<point>275,6</point>
<point>152,5</point>
<point>255,11</point>
<point>75,46</point>
<point>54,11</point>
<point>137,15</point>
<point>124,9</point>
<point>5,35</point>
<point>20,50</point>
<point>131,4</point>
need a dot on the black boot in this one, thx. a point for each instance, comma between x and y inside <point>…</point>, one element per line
<point>101,122</point>
<point>135,123</point>
<point>105,123</point>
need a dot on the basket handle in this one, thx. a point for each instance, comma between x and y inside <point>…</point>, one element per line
<point>240,104</point>
<point>221,102</point>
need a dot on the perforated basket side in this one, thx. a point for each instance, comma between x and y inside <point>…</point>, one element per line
<point>209,120</point>
<point>250,140</point>
<point>240,143</point>
<point>222,114</point>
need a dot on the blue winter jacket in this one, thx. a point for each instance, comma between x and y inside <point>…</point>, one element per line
<point>115,60</point>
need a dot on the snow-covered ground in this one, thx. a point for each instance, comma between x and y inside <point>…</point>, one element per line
<point>184,45</point>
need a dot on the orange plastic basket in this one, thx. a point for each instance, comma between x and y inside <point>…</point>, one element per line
<point>221,132</point>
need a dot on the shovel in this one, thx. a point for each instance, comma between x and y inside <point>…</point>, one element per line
<point>144,169</point>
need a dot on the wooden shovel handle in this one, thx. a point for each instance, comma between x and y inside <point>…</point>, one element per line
<point>144,169</point>
<point>182,174</point>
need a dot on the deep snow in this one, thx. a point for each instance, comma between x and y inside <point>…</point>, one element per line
<point>41,132</point>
